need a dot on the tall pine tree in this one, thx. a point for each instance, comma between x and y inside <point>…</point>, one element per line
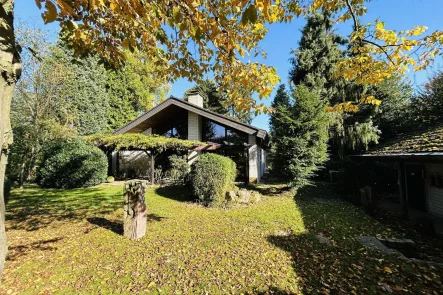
<point>302,148</point>
<point>313,64</point>
<point>277,125</point>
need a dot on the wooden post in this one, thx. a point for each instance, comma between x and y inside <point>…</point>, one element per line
<point>134,219</point>
<point>402,189</point>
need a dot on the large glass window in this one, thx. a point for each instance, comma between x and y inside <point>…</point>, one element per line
<point>213,132</point>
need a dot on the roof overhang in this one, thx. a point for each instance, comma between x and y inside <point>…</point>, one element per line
<point>402,157</point>
<point>229,122</point>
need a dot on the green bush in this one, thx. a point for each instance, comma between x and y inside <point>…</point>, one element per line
<point>179,169</point>
<point>110,179</point>
<point>211,176</point>
<point>72,164</point>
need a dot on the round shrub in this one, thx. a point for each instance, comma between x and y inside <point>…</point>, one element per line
<point>72,164</point>
<point>211,177</point>
<point>110,179</point>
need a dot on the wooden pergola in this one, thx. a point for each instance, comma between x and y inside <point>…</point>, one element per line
<point>152,145</point>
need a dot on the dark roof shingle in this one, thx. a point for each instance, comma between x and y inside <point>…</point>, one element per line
<point>424,140</point>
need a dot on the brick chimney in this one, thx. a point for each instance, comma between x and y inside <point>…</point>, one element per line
<point>195,98</point>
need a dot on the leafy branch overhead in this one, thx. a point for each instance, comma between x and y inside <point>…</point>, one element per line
<point>153,143</point>
<point>194,37</point>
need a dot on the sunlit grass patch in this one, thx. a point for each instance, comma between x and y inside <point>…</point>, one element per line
<point>70,242</point>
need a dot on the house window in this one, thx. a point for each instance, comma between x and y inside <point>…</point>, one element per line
<point>172,133</point>
<point>178,129</point>
<point>213,132</point>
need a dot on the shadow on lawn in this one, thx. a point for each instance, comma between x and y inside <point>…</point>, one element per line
<point>117,226</point>
<point>336,263</point>
<point>33,208</point>
<point>176,192</point>
<point>18,251</point>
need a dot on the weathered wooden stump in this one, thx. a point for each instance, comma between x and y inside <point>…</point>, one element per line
<point>134,219</point>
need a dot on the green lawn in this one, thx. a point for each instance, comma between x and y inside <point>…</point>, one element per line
<point>70,242</point>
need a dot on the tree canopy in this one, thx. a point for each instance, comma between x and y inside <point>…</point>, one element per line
<point>224,32</point>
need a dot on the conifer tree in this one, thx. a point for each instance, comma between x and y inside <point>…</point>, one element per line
<point>303,147</point>
<point>314,63</point>
<point>216,101</point>
<point>277,124</point>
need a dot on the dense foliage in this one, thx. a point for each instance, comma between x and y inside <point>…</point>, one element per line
<point>428,104</point>
<point>314,63</point>
<point>211,177</point>
<point>134,141</point>
<point>179,169</point>
<point>134,87</point>
<point>215,100</point>
<point>72,164</point>
<point>61,96</point>
<point>302,148</point>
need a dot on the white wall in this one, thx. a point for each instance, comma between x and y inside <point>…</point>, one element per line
<point>253,159</point>
<point>194,133</point>
<point>435,194</point>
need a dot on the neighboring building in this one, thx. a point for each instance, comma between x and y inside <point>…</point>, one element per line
<point>419,158</point>
<point>243,143</point>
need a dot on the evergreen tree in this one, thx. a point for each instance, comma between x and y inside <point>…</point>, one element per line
<point>394,115</point>
<point>134,88</point>
<point>214,100</point>
<point>314,61</point>
<point>313,65</point>
<point>303,147</point>
<point>84,90</point>
<point>280,101</point>
<point>277,127</point>
<point>427,106</point>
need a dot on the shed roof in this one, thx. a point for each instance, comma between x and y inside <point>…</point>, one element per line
<point>427,140</point>
<point>423,144</point>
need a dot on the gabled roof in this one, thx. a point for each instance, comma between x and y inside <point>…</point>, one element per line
<point>172,101</point>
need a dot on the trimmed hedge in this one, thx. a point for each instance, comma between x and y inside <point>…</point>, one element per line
<point>72,164</point>
<point>211,177</point>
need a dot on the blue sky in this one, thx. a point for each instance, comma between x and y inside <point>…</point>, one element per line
<point>397,14</point>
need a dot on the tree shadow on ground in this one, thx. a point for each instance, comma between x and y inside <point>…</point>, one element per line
<point>179,193</point>
<point>33,208</point>
<point>117,226</point>
<point>15,252</point>
<point>328,258</point>
<point>112,225</point>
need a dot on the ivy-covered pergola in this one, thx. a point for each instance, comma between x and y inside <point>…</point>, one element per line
<point>153,145</point>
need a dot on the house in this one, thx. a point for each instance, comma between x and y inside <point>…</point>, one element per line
<point>243,143</point>
<point>419,158</point>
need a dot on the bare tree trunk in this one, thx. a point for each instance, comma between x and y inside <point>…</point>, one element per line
<point>134,219</point>
<point>10,71</point>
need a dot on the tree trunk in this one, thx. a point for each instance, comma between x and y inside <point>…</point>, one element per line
<point>134,218</point>
<point>10,71</point>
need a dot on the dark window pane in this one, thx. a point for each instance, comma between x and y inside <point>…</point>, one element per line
<point>235,137</point>
<point>212,132</point>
